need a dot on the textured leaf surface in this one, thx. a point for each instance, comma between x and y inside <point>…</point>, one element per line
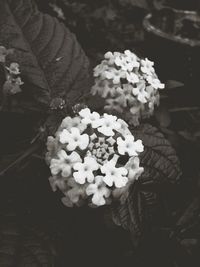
<point>161,167</point>
<point>137,213</point>
<point>21,246</point>
<point>51,60</point>
<point>159,159</point>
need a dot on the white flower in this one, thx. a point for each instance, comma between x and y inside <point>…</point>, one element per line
<point>114,175</point>
<point>64,163</point>
<point>132,58</point>
<point>132,77</point>
<point>76,192</point>
<point>103,88</point>
<point>110,57</point>
<point>84,171</point>
<point>89,117</point>
<point>147,66</point>
<point>121,61</point>
<point>100,69</point>
<point>134,169</point>
<point>140,92</point>
<point>108,123</point>
<point>127,61</point>
<point>69,123</point>
<point>74,139</point>
<point>57,182</point>
<point>99,191</point>
<point>155,83</point>
<point>129,146</point>
<point>123,127</point>
<point>114,75</point>
<point>14,68</point>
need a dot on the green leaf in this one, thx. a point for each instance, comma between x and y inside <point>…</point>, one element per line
<point>161,167</point>
<point>52,62</point>
<point>23,246</point>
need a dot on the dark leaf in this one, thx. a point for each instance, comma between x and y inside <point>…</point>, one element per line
<point>137,213</point>
<point>50,58</point>
<point>161,167</point>
<point>159,159</point>
<point>191,213</point>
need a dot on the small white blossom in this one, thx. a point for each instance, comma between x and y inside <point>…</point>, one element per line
<point>140,92</point>
<point>114,175</point>
<point>132,78</point>
<point>89,117</point>
<point>110,57</point>
<point>132,58</point>
<point>122,62</point>
<point>114,75</point>
<point>103,88</point>
<point>99,191</point>
<point>134,169</point>
<point>123,128</point>
<point>100,69</point>
<point>129,146</point>
<point>108,123</point>
<point>155,83</point>
<point>74,139</point>
<point>14,68</point>
<point>84,171</point>
<point>75,193</point>
<point>69,123</point>
<point>64,163</point>
<point>57,182</point>
<point>147,66</point>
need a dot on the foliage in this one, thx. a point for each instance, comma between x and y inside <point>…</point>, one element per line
<point>46,52</point>
<point>110,25</point>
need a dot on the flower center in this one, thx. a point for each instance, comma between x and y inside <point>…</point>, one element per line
<point>75,138</point>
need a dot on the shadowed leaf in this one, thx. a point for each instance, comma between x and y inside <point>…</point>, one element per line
<point>161,167</point>
<point>52,62</point>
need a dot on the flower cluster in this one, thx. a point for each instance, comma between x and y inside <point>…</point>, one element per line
<point>13,80</point>
<point>128,84</point>
<point>93,159</point>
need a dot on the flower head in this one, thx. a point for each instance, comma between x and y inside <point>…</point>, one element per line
<point>89,166</point>
<point>123,82</point>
